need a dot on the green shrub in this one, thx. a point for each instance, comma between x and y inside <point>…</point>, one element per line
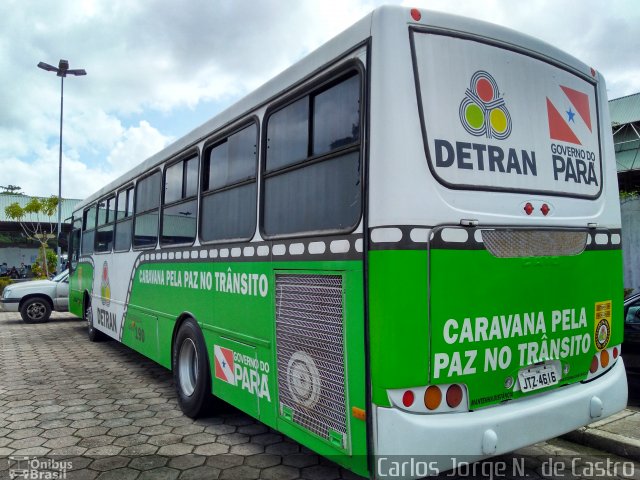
<point>4,281</point>
<point>37,267</point>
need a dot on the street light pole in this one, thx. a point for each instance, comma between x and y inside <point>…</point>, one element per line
<point>62,70</point>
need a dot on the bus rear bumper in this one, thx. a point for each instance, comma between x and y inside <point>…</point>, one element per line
<point>447,439</point>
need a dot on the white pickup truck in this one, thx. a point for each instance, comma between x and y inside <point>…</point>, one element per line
<point>35,300</point>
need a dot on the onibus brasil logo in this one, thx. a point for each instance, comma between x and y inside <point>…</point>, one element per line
<point>482,110</point>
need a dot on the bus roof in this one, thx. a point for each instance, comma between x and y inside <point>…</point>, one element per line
<point>386,17</point>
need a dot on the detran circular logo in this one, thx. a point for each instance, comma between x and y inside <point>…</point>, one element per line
<point>482,110</point>
<point>603,334</point>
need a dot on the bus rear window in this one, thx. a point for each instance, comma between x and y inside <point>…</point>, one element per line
<point>495,119</point>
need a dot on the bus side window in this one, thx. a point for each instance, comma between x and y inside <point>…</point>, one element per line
<point>74,249</point>
<point>124,219</point>
<point>75,241</point>
<point>315,187</point>
<point>147,206</point>
<point>230,188</point>
<point>179,206</point>
<point>88,229</point>
<point>106,218</point>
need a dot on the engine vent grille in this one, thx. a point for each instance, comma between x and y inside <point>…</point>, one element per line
<point>310,353</point>
<point>533,243</point>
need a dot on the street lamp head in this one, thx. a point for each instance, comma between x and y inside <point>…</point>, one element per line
<point>62,70</point>
<point>63,66</point>
<point>47,67</point>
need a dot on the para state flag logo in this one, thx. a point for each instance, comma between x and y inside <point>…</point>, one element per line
<point>569,116</point>
<point>224,364</point>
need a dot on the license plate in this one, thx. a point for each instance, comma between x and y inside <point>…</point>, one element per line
<point>540,376</point>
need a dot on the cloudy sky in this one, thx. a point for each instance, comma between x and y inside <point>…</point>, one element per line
<point>156,69</point>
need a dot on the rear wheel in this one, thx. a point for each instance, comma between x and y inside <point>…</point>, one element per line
<point>93,333</point>
<point>35,310</point>
<point>191,374</point>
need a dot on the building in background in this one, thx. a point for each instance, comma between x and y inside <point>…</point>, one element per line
<point>15,248</point>
<point>625,123</point>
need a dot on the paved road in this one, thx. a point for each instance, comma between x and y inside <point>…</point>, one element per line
<point>112,414</point>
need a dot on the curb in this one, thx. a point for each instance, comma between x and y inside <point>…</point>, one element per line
<point>607,441</point>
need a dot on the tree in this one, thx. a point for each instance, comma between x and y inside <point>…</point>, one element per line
<point>33,222</point>
<point>11,190</point>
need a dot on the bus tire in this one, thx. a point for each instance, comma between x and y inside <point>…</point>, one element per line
<point>93,333</point>
<point>190,366</point>
<point>35,310</point>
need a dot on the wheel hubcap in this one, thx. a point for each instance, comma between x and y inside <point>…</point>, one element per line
<point>188,367</point>
<point>36,311</point>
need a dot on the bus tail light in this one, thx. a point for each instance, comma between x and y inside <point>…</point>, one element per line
<point>603,361</point>
<point>604,358</point>
<point>454,395</point>
<point>435,398</point>
<point>432,397</point>
<point>594,364</point>
<point>407,398</point>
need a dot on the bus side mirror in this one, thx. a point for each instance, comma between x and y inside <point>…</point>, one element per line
<point>63,241</point>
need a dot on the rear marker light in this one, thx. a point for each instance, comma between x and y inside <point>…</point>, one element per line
<point>593,72</point>
<point>604,358</point>
<point>432,397</point>
<point>407,398</point>
<point>359,413</point>
<point>528,208</point>
<point>415,14</point>
<point>594,364</point>
<point>615,352</point>
<point>545,209</point>
<point>454,396</point>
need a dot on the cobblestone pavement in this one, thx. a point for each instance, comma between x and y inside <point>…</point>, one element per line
<point>112,414</point>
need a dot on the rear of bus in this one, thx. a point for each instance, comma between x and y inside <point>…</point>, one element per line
<point>494,264</point>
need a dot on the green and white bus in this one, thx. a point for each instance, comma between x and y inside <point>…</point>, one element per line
<point>406,244</point>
